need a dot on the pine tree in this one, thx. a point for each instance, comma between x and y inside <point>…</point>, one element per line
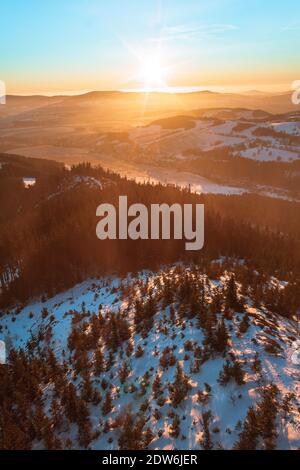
<point>244,325</point>
<point>85,434</point>
<point>112,333</point>
<point>175,427</point>
<point>231,300</point>
<point>172,315</point>
<point>139,352</point>
<point>206,441</point>
<point>287,404</point>
<point>99,362</point>
<point>221,339</point>
<point>87,389</point>
<point>248,438</point>
<point>123,327</point>
<point>129,348</point>
<point>157,387</point>
<point>82,412</point>
<point>148,437</point>
<point>132,436</point>
<point>145,382</point>
<point>238,373</point>
<point>232,370</point>
<point>124,372</point>
<point>180,388</point>
<point>256,366</point>
<point>108,404</point>
<point>267,410</point>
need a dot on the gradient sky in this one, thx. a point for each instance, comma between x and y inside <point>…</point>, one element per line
<point>73,45</point>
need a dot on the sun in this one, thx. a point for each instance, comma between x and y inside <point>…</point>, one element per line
<point>153,74</point>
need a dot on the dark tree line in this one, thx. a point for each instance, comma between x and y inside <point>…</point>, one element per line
<point>49,243</point>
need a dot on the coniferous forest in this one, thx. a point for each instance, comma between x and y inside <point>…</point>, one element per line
<point>123,344</point>
<point>149,232</point>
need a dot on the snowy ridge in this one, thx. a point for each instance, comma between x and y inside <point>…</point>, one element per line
<point>173,335</point>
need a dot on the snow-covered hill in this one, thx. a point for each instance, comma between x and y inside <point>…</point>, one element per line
<point>250,134</point>
<point>161,360</point>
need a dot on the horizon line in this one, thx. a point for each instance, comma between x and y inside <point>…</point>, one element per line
<point>165,90</point>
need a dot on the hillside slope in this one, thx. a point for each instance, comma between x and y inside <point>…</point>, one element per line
<point>177,359</point>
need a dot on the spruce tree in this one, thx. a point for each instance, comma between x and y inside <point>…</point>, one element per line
<point>108,404</point>
<point>180,388</point>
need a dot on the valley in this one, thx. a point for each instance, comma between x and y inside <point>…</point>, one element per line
<point>212,149</point>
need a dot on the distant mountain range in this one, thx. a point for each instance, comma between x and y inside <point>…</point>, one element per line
<point>155,102</point>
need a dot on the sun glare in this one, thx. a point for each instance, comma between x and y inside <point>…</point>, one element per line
<point>153,73</point>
